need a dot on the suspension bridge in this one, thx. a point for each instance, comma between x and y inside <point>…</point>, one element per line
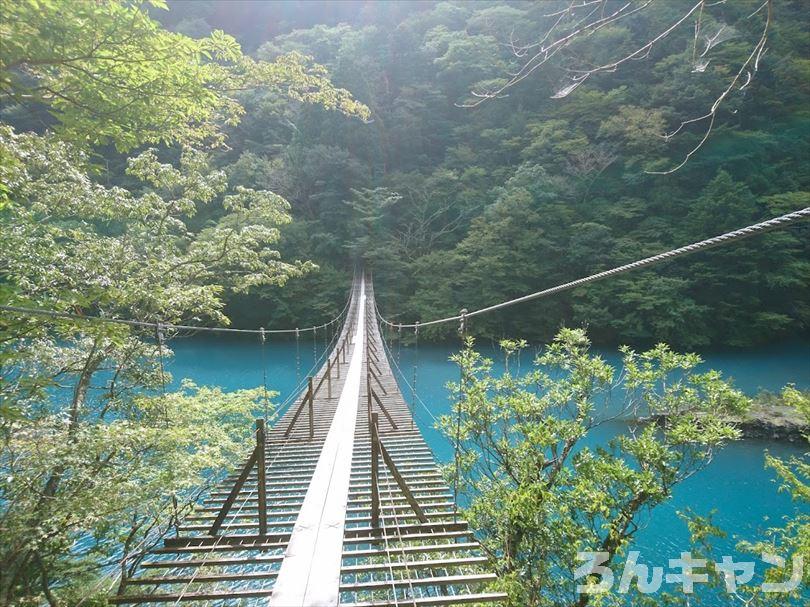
<point>339,503</point>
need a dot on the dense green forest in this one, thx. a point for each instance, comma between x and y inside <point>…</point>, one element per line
<point>458,207</point>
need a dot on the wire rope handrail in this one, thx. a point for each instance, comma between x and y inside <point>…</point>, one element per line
<point>752,230</point>
<point>165,326</point>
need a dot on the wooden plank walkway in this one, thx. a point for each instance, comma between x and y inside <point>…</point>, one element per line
<point>340,527</point>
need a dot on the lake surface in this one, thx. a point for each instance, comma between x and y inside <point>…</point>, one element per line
<point>736,484</point>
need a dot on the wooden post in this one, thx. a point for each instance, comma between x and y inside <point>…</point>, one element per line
<point>262,476</point>
<point>344,348</point>
<point>307,397</point>
<point>375,490</point>
<point>384,410</point>
<point>328,377</point>
<point>379,383</point>
<point>237,487</point>
<point>311,410</point>
<point>337,364</point>
<point>420,514</point>
<point>368,403</point>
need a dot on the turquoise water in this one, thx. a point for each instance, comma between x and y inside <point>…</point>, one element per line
<point>735,484</point>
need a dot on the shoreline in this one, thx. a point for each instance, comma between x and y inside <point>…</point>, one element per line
<point>764,421</point>
<point>774,422</point>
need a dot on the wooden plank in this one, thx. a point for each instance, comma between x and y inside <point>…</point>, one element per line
<point>261,547</point>
<point>420,549</point>
<point>436,601</point>
<point>241,540</point>
<point>438,563</point>
<point>297,414</point>
<point>378,537</point>
<point>384,409</point>
<point>180,564</point>
<point>188,596</point>
<point>402,507</point>
<point>219,577</point>
<point>445,580</point>
<point>379,383</point>
<point>232,526</point>
<point>328,377</point>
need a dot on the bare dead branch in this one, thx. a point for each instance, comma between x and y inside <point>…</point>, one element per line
<point>583,18</point>
<point>753,62</point>
<point>545,53</point>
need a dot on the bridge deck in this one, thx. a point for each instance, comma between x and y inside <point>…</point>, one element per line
<point>323,543</point>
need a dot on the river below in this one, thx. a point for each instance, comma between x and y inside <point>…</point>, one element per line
<point>736,485</point>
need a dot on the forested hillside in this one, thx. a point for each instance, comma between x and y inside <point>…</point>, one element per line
<point>456,206</point>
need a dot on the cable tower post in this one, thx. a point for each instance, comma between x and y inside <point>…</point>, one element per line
<point>160,338</point>
<point>462,331</point>
<point>415,365</point>
<point>399,343</point>
<point>297,356</point>
<point>263,340</point>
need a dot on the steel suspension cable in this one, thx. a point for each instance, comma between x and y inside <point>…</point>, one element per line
<point>752,230</point>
